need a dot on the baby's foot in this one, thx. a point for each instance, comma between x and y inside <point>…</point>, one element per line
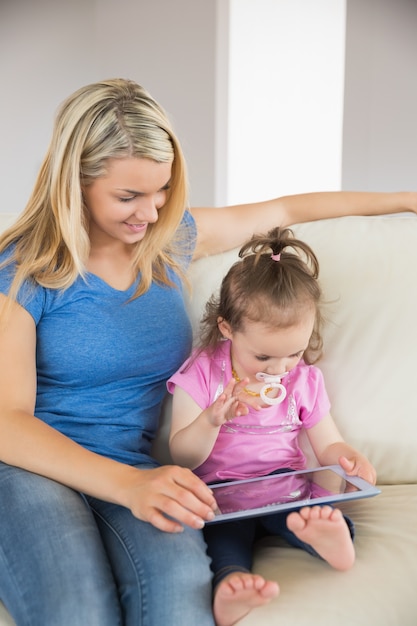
<point>237,594</point>
<point>326,531</point>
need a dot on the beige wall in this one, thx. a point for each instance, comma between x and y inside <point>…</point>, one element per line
<point>380,118</point>
<point>48,48</point>
<point>179,50</point>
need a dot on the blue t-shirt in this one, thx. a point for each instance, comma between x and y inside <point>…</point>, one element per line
<point>103,361</point>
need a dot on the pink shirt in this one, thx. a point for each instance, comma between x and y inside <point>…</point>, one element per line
<point>262,441</point>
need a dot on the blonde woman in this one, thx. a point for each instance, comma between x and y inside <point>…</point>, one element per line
<point>92,325</point>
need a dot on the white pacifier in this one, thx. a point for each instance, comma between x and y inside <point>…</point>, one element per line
<point>272,382</point>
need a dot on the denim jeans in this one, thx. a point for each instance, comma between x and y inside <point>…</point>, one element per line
<point>230,544</point>
<point>67,560</point>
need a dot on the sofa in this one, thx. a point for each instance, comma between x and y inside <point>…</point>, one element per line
<point>368,271</point>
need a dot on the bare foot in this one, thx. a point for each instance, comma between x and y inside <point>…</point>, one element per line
<point>326,531</point>
<point>238,593</point>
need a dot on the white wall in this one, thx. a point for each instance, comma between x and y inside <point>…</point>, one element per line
<point>195,57</point>
<point>286,81</point>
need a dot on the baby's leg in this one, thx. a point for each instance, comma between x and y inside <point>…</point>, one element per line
<point>237,594</point>
<point>325,529</point>
<point>236,590</point>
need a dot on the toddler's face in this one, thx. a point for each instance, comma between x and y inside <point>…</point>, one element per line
<point>260,348</point>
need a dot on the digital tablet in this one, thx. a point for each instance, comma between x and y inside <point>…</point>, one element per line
<point>286,491</point>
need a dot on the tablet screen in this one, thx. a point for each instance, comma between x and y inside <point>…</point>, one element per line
<point>287,490</point>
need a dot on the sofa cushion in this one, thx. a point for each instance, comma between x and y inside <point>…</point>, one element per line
<point>378,591</point>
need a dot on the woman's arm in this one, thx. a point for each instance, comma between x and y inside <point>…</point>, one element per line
<point>29,443</point>
<point>223,228</point>
<point>331,449</point>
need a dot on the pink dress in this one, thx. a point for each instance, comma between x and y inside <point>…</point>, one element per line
<point>262,441</point>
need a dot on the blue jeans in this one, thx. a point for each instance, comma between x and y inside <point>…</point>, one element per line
<point>230,544</point>
<point>75,561</point>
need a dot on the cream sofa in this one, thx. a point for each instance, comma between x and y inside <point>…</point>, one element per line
<point>369,277</point>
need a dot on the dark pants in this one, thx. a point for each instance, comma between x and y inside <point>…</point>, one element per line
<point>230,544</point>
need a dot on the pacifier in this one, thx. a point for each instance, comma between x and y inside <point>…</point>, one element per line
<point>272,382</point>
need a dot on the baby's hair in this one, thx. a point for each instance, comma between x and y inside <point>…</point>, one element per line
<point>274,283</point>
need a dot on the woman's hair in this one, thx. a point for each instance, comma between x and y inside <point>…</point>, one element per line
<point>111,119</point>
<point>275,291</point>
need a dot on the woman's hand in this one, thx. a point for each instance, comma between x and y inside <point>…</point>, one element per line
<point>169,497</point>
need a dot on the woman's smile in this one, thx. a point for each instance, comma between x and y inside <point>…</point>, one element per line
<point>136,228</point>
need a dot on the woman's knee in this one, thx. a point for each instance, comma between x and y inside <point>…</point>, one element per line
<point>54,569</point>
<point>163,578</point>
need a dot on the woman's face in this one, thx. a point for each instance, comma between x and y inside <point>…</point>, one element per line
<point>121,204</point>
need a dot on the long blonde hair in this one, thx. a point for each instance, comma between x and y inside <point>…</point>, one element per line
<point>106,120</point>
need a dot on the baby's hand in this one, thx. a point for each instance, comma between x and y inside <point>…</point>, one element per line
<point>358,465</point>
<point>227,406</point>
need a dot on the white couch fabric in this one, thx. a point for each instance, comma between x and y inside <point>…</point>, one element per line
<point>369,276</point>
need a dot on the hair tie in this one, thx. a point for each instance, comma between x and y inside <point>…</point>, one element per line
<point>276,257</point>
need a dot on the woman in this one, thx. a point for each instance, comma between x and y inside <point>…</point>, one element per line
<point>92,325</point>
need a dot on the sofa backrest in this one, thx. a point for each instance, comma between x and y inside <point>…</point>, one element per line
<point>368,271</point>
